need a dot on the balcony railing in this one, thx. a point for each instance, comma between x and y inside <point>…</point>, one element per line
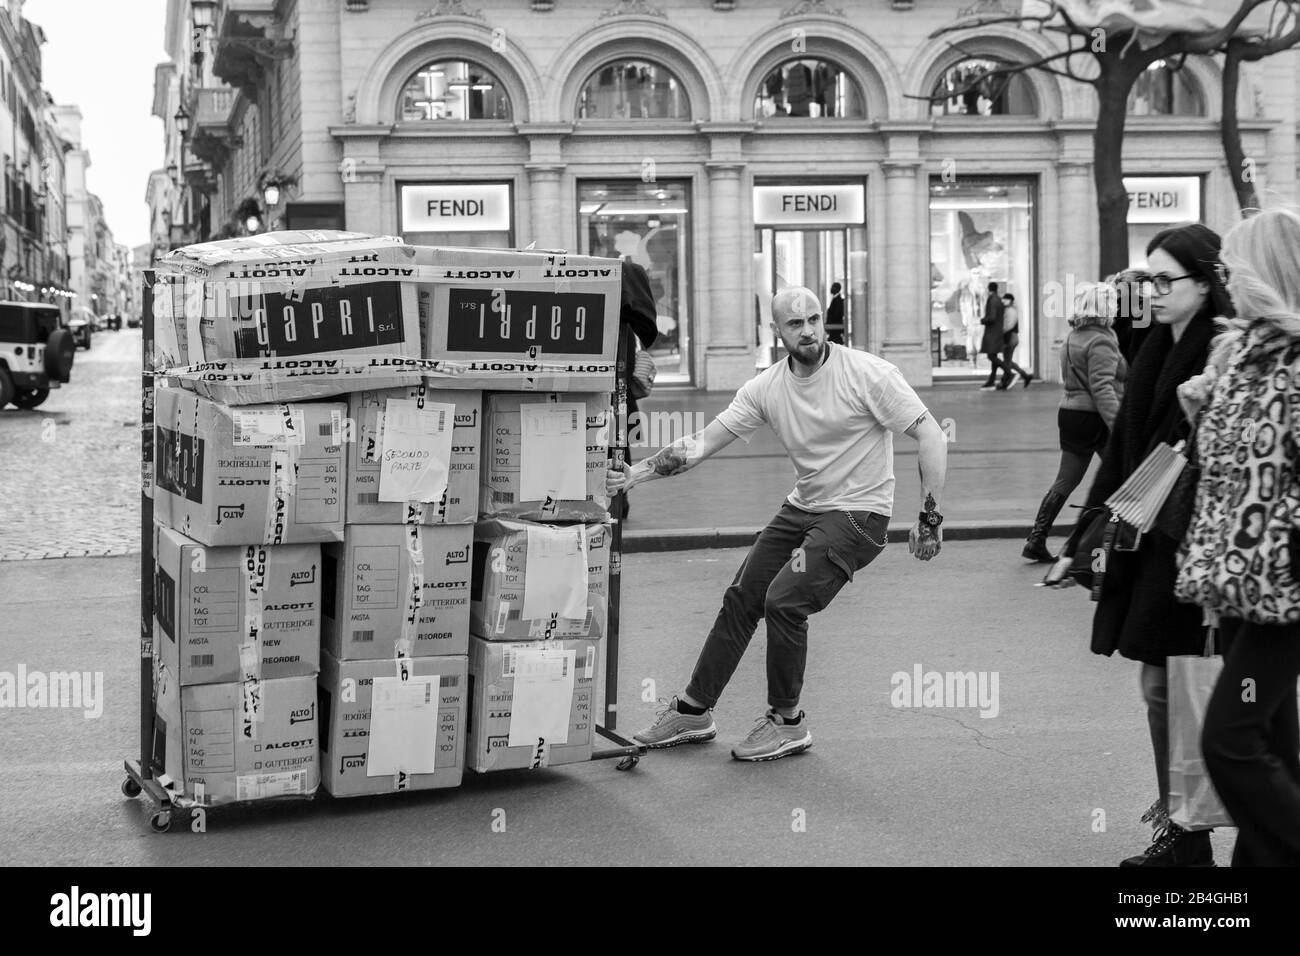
<point>212,106</point>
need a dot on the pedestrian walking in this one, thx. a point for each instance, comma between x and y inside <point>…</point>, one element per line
<point>835,315</point>
<point>1092,385</point>
<point>992,342</point>
<point>1011,342</point>
<point>1240,555</point>
<point>1137,613</point>
<point>835,411</point>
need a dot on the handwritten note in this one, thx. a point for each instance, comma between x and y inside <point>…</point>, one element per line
<point>416,454</point>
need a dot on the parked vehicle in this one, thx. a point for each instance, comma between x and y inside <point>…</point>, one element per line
<point>36,353</point>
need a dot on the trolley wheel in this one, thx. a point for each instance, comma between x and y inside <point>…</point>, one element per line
<point>130,788</point>
<point>161,821</point>
<point>627,763</point>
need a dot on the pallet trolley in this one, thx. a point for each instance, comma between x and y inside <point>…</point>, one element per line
<point>139,773</point>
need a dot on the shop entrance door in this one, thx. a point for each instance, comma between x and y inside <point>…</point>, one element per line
<point>816,259</point>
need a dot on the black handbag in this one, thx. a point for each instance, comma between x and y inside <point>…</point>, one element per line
<point>1176,516</point>
<point>1096,536</point>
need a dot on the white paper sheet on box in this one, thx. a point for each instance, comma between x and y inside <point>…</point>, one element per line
<point>553,451</point>
<point>416,456</point>
<point>543,696</point>
<point>403,725</point>
<point>555,577</point>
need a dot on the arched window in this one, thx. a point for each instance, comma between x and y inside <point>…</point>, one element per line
<point>972,88</point>
<point>453,90</point>
<point>633,89</point>
<point>1162,91</point>
<point>809,87</point>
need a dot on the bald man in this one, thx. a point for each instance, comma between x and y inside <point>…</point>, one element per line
<point>835,410</point>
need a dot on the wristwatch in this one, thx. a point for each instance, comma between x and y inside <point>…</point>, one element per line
<point>932,518</point>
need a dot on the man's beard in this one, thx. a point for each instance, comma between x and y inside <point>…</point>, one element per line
<point>798,355</point>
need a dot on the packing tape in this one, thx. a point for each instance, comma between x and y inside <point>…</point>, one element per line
<point>200,793</point>
<point>503,614</point>
<point>253,572</point>
<point>269,372</point>
<point>401,780</point>
<point>541,755</point>
<point>251,713</point>
<point>284,478</point>
<point>403,667</point>
<point>555,272</point>
<point>414,585</point>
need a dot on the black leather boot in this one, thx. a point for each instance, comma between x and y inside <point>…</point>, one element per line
<point>1036,544</point>
<point>1174,846</point>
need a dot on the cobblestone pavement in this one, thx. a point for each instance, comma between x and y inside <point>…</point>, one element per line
<point>70,470</point>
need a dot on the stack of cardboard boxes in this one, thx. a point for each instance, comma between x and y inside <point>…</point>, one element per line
<point>320,447</point>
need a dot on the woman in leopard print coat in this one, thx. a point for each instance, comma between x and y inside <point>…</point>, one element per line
<point>1238,558</point>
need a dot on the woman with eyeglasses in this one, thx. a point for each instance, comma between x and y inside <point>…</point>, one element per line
<point>1137,613</point>
<point>1240,555</point>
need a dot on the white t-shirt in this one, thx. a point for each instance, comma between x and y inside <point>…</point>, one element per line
<point>836,425</point>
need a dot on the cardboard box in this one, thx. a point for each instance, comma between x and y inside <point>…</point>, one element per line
<point>216,487</point>
<point>521,320</point>
<point>226,743</point>
<point>201,597</point>
<point>368,590</point>
<point>290,316</point>
<point>492,671</point>
<point>347,739</point>
<point>502,564</point>
<point>460,504</point>
<point>504,468</point>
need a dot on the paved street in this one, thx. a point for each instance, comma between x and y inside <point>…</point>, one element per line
<point>1058,777</point>
<point>70,470</point>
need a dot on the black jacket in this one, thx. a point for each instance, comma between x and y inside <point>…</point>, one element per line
<point>1138,614</point>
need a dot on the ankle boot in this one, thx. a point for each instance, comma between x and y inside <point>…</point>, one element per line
<point>1036,544</point>
<point>1174,846</point>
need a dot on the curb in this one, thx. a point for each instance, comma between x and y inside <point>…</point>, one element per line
<point>690,539</point>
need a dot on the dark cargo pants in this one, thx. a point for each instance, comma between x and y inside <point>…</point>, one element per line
<point>798,564</point>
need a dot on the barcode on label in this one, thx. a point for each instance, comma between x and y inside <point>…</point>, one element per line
<point>201,660</point>
<point>508,667</point>
<point>586,625</point>
<point>363,636</point>
<point>442,421</point>
<point>503,497</point>
<point>367,497</point>
<point>574,424</point>
<point>326,430</point>
<point>450,682</point>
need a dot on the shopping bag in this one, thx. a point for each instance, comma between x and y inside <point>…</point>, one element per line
<point>1138,501</point>
<point>1192,801</point>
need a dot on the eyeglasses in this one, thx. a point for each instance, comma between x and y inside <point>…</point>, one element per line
<point>1163,284</point>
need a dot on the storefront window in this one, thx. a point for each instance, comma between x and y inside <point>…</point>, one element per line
<point>809,87</point>
<point>1161,91</point>
<point>453,90</point>
<point>633,89</point>
<point>972,88</point>
<point>981,231</point>
<point>649,224</point>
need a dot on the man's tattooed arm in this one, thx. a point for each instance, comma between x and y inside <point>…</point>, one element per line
<point>682,455</point>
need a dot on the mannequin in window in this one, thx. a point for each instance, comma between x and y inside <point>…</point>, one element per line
<point>799,89</point>
<point>824,90</point>
<point>775,87</point>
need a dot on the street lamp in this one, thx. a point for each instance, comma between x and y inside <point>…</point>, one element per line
<point>171,173</point>
<point>271,194</point>
<point>204,13</point>
<point>182,119</point>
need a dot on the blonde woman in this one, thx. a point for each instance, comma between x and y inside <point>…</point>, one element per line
<point>1092,380</point>
<point>1239,560</point>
